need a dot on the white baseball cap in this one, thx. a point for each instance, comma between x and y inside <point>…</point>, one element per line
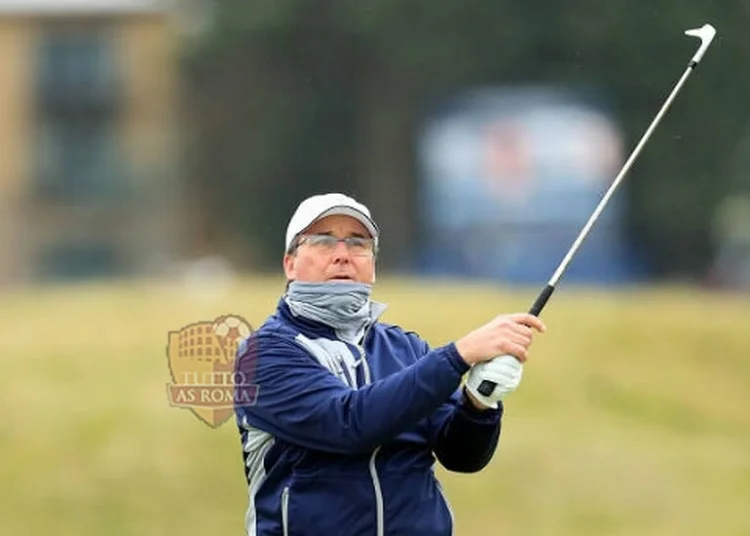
<point>319,206</point>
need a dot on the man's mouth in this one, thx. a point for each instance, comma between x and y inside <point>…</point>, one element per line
<point>341,278</point>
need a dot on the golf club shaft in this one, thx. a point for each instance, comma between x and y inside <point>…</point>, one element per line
<point>487,387</point>
<point>544,296</point>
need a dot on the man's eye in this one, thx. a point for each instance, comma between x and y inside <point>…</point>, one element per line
<point>322,240</point>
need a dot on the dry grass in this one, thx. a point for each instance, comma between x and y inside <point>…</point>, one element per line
<point>633,418</point>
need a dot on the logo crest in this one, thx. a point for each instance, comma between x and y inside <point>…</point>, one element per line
<point>201,362</point>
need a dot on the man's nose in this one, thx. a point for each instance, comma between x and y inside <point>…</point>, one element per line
<point>341,253</point>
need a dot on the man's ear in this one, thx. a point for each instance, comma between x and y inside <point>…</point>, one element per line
<point>289,268</point>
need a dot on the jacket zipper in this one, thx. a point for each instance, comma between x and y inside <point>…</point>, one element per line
<point>378,494</point>
<point>363,356</point>
<point>365,365</point>
<point>285,511</point>
<point>379,515</point>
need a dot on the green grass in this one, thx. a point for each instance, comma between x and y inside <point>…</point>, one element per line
<point>633,416</point>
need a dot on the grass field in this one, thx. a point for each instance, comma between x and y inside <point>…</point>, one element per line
<point>633,417</point>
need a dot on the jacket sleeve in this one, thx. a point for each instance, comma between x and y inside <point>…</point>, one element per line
<point>299,401</point>
<point>463,438</point>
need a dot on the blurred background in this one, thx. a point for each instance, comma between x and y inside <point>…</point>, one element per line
<point>139,135</point>
<point>151,153</point>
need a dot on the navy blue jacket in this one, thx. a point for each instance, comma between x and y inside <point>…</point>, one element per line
<point>341,439</point>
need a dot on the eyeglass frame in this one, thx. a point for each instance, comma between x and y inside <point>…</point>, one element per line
<point>299,240</point>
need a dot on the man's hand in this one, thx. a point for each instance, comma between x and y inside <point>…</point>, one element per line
<point>503,335</point>
<point>506,372</point>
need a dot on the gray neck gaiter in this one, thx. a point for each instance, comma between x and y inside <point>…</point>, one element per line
<point>342,305</point>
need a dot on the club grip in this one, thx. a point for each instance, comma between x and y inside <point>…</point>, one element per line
<point>486,387</point>
<point>541,300</point>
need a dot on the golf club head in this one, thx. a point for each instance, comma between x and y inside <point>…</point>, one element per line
<point>706,34</point>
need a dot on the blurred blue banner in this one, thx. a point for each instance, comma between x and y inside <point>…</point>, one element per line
<point>508,177</point>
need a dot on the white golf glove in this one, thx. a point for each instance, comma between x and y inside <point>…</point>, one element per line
<point>505,371</point>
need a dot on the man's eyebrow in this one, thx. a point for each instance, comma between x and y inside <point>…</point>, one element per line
<point>355,234</point>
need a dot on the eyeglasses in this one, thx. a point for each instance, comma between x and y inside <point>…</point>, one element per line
<point>358,246</point>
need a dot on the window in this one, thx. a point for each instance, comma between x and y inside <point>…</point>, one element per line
<point>77,70</point>
<point>78,155</point>
<point>77,159</point>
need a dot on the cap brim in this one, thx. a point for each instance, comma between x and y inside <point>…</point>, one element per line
<point>343,210</point>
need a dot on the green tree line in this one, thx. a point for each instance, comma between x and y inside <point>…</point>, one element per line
<point>291,97</point>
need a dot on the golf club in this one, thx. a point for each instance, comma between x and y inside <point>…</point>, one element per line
<point>706,34</point>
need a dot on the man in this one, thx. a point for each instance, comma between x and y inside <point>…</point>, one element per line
<point>351,413</point>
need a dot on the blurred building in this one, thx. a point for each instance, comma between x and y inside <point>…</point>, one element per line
<point>508,178</point>
<point>731,235</point>
<point>88,158</point>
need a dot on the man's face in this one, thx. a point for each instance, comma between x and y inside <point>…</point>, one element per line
<point>315,261</point>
